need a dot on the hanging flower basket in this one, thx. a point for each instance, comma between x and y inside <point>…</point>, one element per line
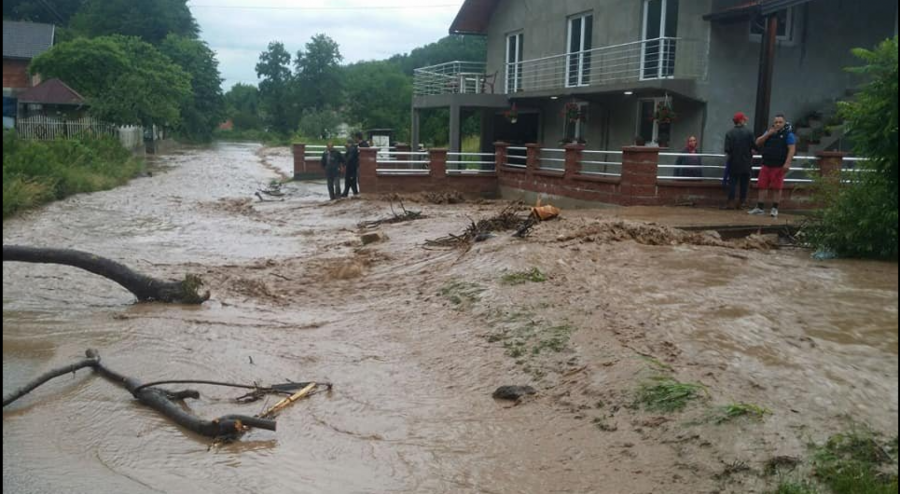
<point>664,113</point>
<point>512,115</point>
<point>572,113</point>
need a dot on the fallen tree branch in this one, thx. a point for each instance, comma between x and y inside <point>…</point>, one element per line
<point>394,218</point>
<point>24,390</point>
<point>145,288</point>
<point>161,400</point>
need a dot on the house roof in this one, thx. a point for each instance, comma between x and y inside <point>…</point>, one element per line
<point>474,17</point>
<point>52,92</point>
<point>26,40</point>
<point>752,8</point>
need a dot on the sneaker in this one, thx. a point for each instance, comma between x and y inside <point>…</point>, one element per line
<point>756,212</point>
<point>774,212</point>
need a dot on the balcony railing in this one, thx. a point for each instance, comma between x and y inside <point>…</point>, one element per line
<point>654,59</point>
<point>452,78</point>
<point>660,58</point>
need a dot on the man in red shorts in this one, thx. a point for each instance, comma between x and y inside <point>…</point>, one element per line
<point>778,145</point>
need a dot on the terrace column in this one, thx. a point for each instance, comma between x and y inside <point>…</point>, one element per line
<point>455,127</point>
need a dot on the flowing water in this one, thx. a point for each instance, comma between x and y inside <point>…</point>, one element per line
<point>294,298</point>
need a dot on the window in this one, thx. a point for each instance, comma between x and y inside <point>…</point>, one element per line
<point>659,39</point>
<point>580,42</point>
<point>785,27</point>
<point>514,62</point>
<point>653,132</point>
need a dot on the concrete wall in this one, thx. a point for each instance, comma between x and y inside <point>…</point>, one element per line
<point>809,73</point>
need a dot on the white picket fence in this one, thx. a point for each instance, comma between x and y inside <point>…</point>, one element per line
<point>43,128</point>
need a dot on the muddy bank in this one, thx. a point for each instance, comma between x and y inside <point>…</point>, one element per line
<point>416,342</point>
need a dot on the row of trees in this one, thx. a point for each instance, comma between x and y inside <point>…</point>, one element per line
<point>312,93</point>
<point>136,62</point>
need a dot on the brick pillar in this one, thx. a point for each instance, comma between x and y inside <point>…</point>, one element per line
<point>640,166</point>
<point>438,164</point>
<point>573,159</point>
<point>830,164</point>
<point>501,155</point>
<point>532,161</point>
<point>368,170</point>
<point>299,160</point>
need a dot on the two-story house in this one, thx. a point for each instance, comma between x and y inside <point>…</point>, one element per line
<point>613,63</point>
<point>22,41</point>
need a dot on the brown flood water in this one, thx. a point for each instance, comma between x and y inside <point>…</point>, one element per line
<point>411,410</point>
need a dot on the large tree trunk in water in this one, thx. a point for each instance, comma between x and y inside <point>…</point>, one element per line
<point>145,288</point>
<point>159,399</point>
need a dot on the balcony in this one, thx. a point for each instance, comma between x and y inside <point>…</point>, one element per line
<point>640,63</point>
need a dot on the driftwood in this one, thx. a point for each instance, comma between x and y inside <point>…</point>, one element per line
<point>145,288</point>
<point>161,400</point>
<point>394,218</point>
<point>508,219</point>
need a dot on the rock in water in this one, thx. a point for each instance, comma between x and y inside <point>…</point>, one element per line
<point>513,393</point>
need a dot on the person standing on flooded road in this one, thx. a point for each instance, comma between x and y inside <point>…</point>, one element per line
<point>333,162</point>
<point>739,146</point>
<point>778,146</point>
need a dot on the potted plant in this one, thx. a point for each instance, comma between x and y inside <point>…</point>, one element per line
<point>512,115</point>
<point>573,113</point>
<point>664,113</point>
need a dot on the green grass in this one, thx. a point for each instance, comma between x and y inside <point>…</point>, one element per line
<point>665,394</point>
<point>857,463</point>
<point>735,411</point>
<point>462,293</point>
<point>521,277</point>
<point>37,172</point>
<point>794,487</point>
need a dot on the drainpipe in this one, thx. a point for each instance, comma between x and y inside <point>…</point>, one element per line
<point>766,72</point>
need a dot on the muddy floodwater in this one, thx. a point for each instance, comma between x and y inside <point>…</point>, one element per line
<point>416,340</point>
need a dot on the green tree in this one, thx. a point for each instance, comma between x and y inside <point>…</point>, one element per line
<point>276,88</point>
<point>861,217</point>
<point>204,109</point>
<point>150,20</point>
<point>378,96</point>
<point>447,49</point>
<point>126,80</point>
<point>242,101</point>
<point>57,12</point>
<point>318,73</point>
<point>320,124</point>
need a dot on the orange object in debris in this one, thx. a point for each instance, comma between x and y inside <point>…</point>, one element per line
<point>544,213</point>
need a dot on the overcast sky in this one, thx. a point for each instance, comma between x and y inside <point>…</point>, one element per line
<point>239,30</point>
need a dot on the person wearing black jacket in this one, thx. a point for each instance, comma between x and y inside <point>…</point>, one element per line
<point>351,177</point>
<point>332,162</point>
<point>778,146</point>
<point>739,146</point>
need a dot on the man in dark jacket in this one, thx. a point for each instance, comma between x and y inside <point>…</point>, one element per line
<point>778,145</point>
<point>739,146</point>
<point>351,179</point>
<point>332,162</point>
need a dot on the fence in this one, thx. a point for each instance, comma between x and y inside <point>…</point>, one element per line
<point>44,128</point>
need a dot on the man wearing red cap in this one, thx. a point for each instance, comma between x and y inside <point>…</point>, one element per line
<point>739,147</point>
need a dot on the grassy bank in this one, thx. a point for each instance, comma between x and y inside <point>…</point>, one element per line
<point>36,172</point>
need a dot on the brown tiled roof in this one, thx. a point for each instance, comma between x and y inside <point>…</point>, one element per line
<point>52,92</point>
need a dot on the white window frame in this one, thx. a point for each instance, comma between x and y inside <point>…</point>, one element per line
<point>790,26</point>
<point>516,76</point>
<point>656,102</point>
<point>581,52</point>
<point>662,34</point>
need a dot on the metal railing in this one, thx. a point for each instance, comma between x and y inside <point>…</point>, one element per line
<point>470,163</point>
<point>660,58</point>
<point>710,167</point>
<point>403,162</point>
<point>601,163</point>
<point>552,159</point>
<point>517,157</point>
<point>451,78</point>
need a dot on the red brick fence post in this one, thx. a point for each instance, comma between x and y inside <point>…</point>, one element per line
<point>640,168</point>
<point>299,160</point>
<point>368,170</point>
